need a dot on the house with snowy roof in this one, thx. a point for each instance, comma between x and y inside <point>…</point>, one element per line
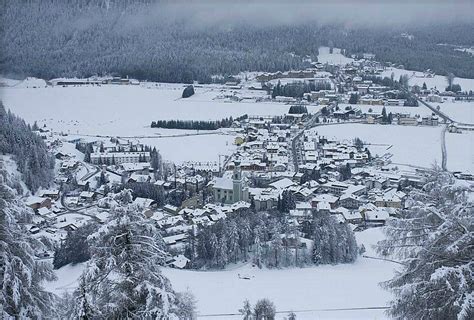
<point>144,203</point>
<point>35,202</point>
<point>326,198</point>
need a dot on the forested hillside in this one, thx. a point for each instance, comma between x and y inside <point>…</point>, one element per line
<point>81,38</point>
<point>423,51</point>
<point>145,39</point>
<point>29,150</point>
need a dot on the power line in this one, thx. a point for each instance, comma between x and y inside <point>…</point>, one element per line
<point>298,311</point>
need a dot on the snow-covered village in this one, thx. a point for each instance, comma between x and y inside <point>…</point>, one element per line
<point>340,186</point>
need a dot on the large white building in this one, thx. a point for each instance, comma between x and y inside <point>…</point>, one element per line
<point>119,157</point>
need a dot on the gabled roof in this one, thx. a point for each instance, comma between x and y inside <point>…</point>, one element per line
<point>223,183</point>
<point>143,202</point>
<point>282,183</point>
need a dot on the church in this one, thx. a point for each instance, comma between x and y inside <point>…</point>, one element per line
<point>228,191</point>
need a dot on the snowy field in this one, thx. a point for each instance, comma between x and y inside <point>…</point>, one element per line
<point>335,58</point>
<point>193,148</point>
<point>458,111</point>
<point>128,111</point>
<point>419,146</point>
<point>460,150</point>
<point>439,82</point>
<point>123,110</point>
<point>324,287</point>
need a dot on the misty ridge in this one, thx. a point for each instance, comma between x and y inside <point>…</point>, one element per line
<point>266,13</point>
<point>185,41</point>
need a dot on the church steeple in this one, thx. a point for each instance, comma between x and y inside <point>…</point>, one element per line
<point>237,183</point>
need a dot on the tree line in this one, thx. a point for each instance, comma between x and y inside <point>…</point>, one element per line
<point>196,124</point>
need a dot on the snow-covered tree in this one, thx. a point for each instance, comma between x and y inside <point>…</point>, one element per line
<point>257,258</point>
<point>245,237</point>
<point>74,249</point>
<point>246,311</point>
<point>291,316</point>
<point>123,275</point>
<point>28,149</point>
<point>22,295</point>
<point>264,310</point>
<point>222,257</point>
<point>434,239</point>
<point>333,242</point>
<point>233,239</point>
<point>77,305</point>
<point>186,305</point>
<point>276,248</point>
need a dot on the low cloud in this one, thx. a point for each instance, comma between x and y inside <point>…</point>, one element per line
<point>279,12</point>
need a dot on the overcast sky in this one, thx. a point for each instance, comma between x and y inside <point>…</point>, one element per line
<point>354,12</point>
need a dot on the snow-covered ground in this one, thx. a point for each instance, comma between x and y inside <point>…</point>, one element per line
<point>67,279</point>
<point>313,288</point>
<point>123,110</point>
<point>193,148</point>
<point>420,146</point>
<point>12,174</point>
<point>458,111</point>
<point>332,58</point>
<point>129,111</point>
<point>439,82</point>
<point>460,150</point>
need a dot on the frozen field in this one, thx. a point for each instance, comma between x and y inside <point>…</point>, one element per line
<point>460,149</point>
<point>128,111</point>
<point>458,111</point>
<point>437,81</point>
<point>193,148</point>
<point>123,110</point>
<point>324,287</point>
<point>420,146</point>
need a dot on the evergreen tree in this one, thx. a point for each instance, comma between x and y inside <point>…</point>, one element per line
<point>246,311</point>
<point>333,242</point>
<point>74,249</point>
<point>276,248</point>
<point>389,118</point>
<point>186,306</point>
<point>128,247</point>
<point>354,98</point>
<point>384,115</point>
<point>264,310</point>
<point>28,149</point>
<point>233,245</point>
<point>257,258</point>
<point>22,295</point>
<point>434,241</point>
<point>188,91</point>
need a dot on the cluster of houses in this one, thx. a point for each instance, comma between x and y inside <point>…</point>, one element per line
<point>358,78</point>
<point>275,159</point>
